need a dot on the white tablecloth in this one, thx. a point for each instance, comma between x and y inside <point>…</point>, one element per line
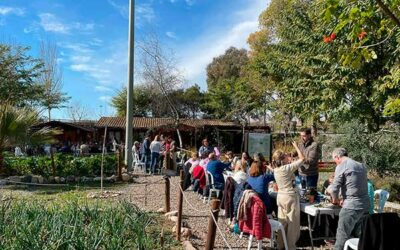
<point>313,210</point>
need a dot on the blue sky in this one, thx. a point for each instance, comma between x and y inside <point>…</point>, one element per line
<point>91,36</point>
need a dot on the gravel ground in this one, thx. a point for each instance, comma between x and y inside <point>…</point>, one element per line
<point>148,193</point>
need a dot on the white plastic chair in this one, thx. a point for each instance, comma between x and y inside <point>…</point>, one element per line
<point>138,165</point>
<point>383,196</point>
<point>210,183</point>
<point>275,227</point>
<point>351,244</point>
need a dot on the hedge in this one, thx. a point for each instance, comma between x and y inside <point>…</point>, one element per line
<point>65,165</point>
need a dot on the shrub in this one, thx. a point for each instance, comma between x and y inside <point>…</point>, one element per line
<point>65,165</point>
<point>379,150</point>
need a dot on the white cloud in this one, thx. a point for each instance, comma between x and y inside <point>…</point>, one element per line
<point>49,22</point>
<point>190,2</point>
<point>199,54</point>
<point>101,88</point>
<point>80,58</point>
<point>122,9</point>
<point>171,34</point>
<point>79,48</point>
<point>106,66</point>
<point>143,12</point>
<point>96,42</point>
<point>4,10</point>
<point>105,98</point>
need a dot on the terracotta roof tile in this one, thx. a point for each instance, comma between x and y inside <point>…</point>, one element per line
<point>151,122</point>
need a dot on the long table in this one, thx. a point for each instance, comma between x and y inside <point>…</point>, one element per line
<point>316,211</point>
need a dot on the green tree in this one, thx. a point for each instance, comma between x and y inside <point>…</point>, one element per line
<point>225,75</point>
<point>193,99</point>
<point>15,128</point>
<point>141,101</point>
<point>18,73</point>
<point>369,31</point>
<point>303,74</point>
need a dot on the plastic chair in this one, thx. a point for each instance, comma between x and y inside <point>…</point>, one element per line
<point>351,244</point>
<point>138,165</point>
<point>383,197</point>
<point>210,183</point>
<point>275,227</point>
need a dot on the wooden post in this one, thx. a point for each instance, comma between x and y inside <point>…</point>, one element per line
<point>167,195</point>
<point>179,223</point>
<point>119,165</point>
<point>211,224</point>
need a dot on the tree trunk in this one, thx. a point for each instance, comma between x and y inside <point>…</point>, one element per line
<point>179,137</point>
<point>49,110</point>
<point>1,161</point>
<point>53,165</point>
<point>243,135</point>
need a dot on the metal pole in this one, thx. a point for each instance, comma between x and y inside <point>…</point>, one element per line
<point>129,101</point>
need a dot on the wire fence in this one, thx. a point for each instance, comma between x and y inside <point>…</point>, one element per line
<point>210,211</point>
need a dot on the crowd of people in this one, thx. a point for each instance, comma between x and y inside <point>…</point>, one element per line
<point>157,153</point>
<point>287,173</point>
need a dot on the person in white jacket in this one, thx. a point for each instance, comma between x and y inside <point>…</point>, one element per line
<point>288,196</point>
<point>155,148</point>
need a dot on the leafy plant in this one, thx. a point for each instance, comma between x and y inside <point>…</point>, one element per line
<point>66,165</point>
<point>378,150</point>
<point>71,225</point>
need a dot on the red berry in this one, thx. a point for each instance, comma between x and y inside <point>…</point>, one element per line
<point>362,35</point>
<point>326,39</point>
<point>333,36</point>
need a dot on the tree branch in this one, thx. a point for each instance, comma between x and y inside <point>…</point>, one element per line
<point>389,13</point>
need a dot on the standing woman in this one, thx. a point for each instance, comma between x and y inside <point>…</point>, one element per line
<point>155,148</point>
<point>288,197</point>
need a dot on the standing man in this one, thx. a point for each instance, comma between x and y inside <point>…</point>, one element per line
<point>309,169</point>
<point>205,149</point>
<point>351,180</point>
<point>146,151</point>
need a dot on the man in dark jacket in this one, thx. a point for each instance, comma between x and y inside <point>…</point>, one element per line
<point>147,152</point>
<point>310,149</point>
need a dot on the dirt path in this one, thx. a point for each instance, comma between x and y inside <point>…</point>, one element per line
<point>195,215</point>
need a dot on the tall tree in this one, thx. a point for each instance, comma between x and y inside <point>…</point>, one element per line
<point>18,73</point>
<point>141,101</point>
<point>51,78</point>
<point>159,71</point>
<point>223,74</point>
<point>367,32</point>
<point>77,111</point>
<point>304,72</point>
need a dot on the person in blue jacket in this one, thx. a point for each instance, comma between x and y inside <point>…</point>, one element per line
<point>216,168</point>
<point>259,181</point>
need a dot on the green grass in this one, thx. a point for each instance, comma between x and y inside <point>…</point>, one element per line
<point>68,220</point>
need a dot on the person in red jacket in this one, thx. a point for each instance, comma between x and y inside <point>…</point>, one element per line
<point>199,175</point>
<point>254,220</point>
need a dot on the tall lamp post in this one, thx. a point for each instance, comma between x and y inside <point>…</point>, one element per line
<point>129,100</point>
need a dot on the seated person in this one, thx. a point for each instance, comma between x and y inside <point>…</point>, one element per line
<point>240,172</point>
<point>216,168</point>
<point>199,179</point>
<point>194,160</point>
<point>259,181</point>
<point>327,183</point>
